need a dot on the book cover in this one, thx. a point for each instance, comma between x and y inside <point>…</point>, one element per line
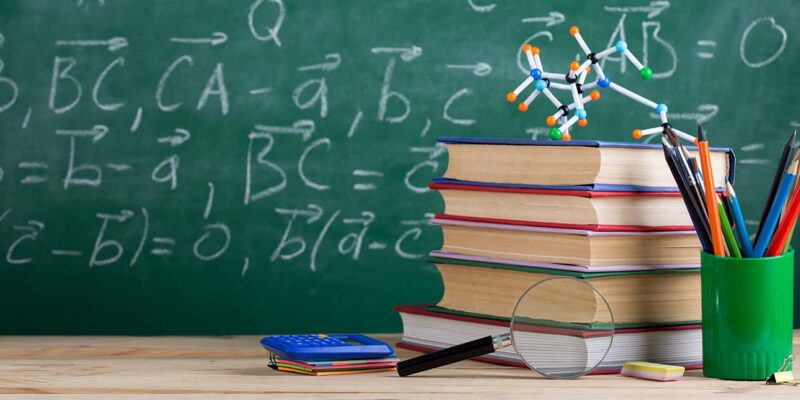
<point>491,291</point>
<point>598,186</point>
<point>465,259</point>
<point>556,191</point>
<point>546,229</point>
<point>434,311</point>
<point>503,325</point>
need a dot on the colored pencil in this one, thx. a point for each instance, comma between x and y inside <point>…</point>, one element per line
<point>786,226</point>
<point>738,221</point>
<point>791,190</point>
<point>786,156</point>
<point>688,180</point>
<point>717,241</point>
<point>727,231</point>
<point>698,177</point>
<point>782,239</point>
<point>791,233</point>
<point>783,214</point>
<point>695,185</point>
<point>691,205</point>
<point>687,170</point>
<point>768,228</point>
<point>694,169</point>
<point>789,239</point>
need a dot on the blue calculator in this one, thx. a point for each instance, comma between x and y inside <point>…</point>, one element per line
<point>321,347</point>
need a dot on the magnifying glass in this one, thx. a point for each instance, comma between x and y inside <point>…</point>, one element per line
<point>561,327</point>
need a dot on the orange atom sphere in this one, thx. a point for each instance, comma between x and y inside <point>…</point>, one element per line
<point>525,47</point>
<point>595,95</point>
<point>523,107</point>
<point>511,97</point>
<point>550,120</point>
<point>574,65</point>
<point>637,134</point>
<point>566,137</point>
<point>574,30</point>
<point>582,122</point>
<point>534,50</point>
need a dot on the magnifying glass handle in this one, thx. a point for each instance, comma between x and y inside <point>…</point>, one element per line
<point>461,352</point>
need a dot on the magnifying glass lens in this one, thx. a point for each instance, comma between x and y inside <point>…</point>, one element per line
<point>562,327</point>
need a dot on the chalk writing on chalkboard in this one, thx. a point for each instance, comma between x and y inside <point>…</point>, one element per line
<point>225,144</point>
<point>266,173</point>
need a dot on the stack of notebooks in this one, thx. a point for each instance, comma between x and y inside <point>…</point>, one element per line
<point>519,211</point>
<point>333,367</point>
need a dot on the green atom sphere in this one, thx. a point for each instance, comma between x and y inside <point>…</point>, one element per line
<point>647,73</point>
<point>555,134</point>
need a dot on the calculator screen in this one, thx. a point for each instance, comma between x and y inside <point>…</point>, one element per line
<point>351,342</point>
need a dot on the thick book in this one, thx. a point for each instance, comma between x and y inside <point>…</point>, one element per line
<point>568,246</point>
<point>636,298</point>
<point>562,267</point>
<point>425,330</point>
<point>578,209</point>
<point>577,164</point>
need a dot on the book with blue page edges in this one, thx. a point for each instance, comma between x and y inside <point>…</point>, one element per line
<point>572,165</point>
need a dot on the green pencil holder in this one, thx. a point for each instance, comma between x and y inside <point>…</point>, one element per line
<point>747,315</point>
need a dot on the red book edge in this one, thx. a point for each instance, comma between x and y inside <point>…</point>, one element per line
<point>588,227</point>
<point>596,371</point>
<point>553,192</point>
<point>422,309</point>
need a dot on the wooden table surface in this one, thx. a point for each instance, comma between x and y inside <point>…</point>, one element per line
<point>203,367</point>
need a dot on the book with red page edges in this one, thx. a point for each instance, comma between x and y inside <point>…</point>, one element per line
<point>559,207</point>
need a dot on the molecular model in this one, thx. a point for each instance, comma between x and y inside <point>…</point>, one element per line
<point>575,83</point>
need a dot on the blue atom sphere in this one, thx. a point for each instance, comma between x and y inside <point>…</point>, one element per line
<point>536,73</point>
<point>541,85</point>
<point>661,107</point>
<point>603,83</point>
<point>581,113</point>
<point>621,46</point>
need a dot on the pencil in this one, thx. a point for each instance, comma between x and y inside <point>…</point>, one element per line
<point>717,241</point>
<point>788,148</point>
<point>695,189</point>
<point>792,222</point>
<point>688,171</point>
<point>738,221</point>
<point>786,220</point>
<point>691,184</point>
<point>791,190</point>
<point>789,239</point>
<point>691,205</point>
<point>785,228</point>
<point>768,228</point>
<point>698,177</point>
<point>727,231</point>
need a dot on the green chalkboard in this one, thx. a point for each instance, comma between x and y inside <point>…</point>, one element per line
<point>260,166</point>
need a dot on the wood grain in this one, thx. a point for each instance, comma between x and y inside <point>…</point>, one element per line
<point>202,367</point>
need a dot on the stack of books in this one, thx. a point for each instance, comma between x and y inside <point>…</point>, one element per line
<point>519,211</point>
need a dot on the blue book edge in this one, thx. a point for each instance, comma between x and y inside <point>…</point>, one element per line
<point>577,143</point>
